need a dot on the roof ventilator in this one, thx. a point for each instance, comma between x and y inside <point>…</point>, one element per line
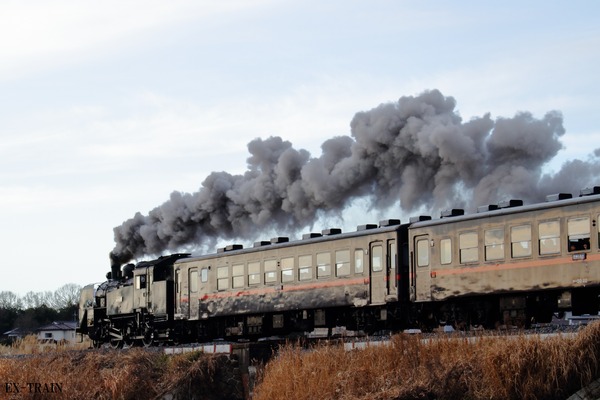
<point>420,218</point>
<point>486,208</point>
<point>510,203</point>
<point>280,239</point>
<point>589,191</point>
<point>453,212</point>
<point>331,231</point>
<point>389,222</point>
<point>311,235</point>
<point>231,247</point>
<point>365,227</point>
<point>558,196</point>
<point>261,243</point>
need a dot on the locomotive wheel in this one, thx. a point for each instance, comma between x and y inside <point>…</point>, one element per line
<point>116,343</point>
<point>148,339</point>
<point>96,344</point>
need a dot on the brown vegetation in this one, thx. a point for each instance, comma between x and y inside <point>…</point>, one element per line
<point>136,373</point>
<point>510,367</point>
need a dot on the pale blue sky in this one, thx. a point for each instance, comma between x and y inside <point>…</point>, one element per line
<point>107,107</point>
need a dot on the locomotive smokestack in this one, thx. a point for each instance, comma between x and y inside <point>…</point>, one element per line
<point>115,268</point>
<point>417,150</point>
<point>115,272</point>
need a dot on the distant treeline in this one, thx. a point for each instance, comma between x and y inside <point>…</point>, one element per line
<point>35,309</point>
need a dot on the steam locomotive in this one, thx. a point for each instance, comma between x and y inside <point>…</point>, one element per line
<point>507,264</point>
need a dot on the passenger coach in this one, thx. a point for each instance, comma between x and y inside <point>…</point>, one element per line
<point>327,279</point>
<point>509,264</point>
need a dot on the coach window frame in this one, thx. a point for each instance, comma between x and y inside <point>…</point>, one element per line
<point>518,239</point>
<point>237,276</point>
<point>446,251</point>
<point>223,278</point>
<point>493,243</point>
<point>578,233</point>
<point>305,270</point>
<point>254,275</point>
<point>359,261</point>
<point>193,280</point>
<point>377,260</point>
<point>324,265</point>
<point>549,237</point>
<point>287,269</point>
<point>342,262</point>
<point>270,271</point>
<point>468,247</point>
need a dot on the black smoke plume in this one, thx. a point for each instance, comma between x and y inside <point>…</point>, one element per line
<point>417,151</point>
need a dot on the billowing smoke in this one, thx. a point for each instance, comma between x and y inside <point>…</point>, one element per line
<point>417,151</point>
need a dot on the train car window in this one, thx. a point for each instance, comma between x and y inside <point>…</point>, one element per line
<point>287,269</point>
<point>494,244</point>
<point>254,273</point>
<point>358,261</point>
<point>194,280</point>
<point>140,282</point>
<point>377,258</point>
<point>222,278</point>
<point>469,248</point>
<point>446,251</point>
<point>342,263</point>
<point>204,275</point>
<point>549,237</point>
<point>305,268</point>
<point>323,265</point>
<point>578,230</point>
<point>237,273</point>
<point>392,253</point>
<point>177,280</point>
<point>270,271</point>
<point>520,241</point>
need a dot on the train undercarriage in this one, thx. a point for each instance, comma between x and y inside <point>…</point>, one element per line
<point>464,314</point>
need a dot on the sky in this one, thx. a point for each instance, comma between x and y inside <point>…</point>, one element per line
<point>108,108</point>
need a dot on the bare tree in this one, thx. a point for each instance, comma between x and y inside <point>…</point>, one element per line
<point>37,299</point>
<point>65,296</point>
<point>10,300</point>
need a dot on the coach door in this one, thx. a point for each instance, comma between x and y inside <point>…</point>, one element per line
<point>392,268</point>
<point>377,273</point>
<point>193,293</point>
<point>421,268</point>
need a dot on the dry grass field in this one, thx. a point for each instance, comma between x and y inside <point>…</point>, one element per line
<point>511,367</point>
<point>31,371</point>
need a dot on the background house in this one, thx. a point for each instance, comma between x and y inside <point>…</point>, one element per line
<point>57,331</point>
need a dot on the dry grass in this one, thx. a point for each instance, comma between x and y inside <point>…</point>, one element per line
<point>109,374</point>
<point>515,367</point>
<point>449,368</point>
<point>31,345</point>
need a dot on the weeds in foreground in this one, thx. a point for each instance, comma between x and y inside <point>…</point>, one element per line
<point>31,345</point>
<point>509,367</point>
